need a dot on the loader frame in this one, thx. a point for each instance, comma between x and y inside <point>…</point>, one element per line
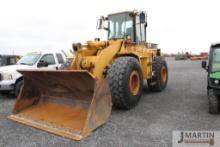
<point>103,74</point>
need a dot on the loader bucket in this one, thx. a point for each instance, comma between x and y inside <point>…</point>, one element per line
<point>67,103</point>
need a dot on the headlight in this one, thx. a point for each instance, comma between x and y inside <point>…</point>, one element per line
<point>7,76</point>
<point>216,81</point>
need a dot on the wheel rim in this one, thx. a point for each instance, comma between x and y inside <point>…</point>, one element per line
<point>163,74</point>
<point>134,83</point>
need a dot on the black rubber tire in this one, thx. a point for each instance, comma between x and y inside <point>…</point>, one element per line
<point>213,102</point>
<point>18,87</point>
<point>156,83</point>
<point>118,77</point>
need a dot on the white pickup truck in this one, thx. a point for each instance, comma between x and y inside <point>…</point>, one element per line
<point>11,80</point>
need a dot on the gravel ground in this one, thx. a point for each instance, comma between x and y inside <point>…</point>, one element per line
<point>182,106</point>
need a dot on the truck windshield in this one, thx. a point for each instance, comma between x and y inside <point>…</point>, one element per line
<point>216,60</point>
<point>120,26</point>
<point>29,59</point>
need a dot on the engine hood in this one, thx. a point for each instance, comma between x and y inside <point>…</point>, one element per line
<point>14,68</point>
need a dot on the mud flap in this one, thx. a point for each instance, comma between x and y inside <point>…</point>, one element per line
<point>67,103</point>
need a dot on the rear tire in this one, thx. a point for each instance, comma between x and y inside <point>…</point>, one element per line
<point>160,78</point>
<point>126,82</point>
<point>18,87</point>
<point>213,102</point>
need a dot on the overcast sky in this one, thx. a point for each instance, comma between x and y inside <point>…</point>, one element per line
<point>30,25</point>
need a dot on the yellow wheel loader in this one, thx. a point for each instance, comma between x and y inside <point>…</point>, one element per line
<point>74,102</point>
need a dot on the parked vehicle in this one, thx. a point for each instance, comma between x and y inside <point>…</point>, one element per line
<point>8,59</point>
<point>213,78</point>
<point>201,56</point>
<point>69,59</point>
<point>182,56</point>
<point>67,64</point>
<point>11,80</point>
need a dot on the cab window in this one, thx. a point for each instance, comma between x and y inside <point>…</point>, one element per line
<point>48,58</point>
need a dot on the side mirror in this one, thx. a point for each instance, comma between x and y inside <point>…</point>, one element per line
<point>100,23</point>
<point>204,64</point>
<point>42,64</point>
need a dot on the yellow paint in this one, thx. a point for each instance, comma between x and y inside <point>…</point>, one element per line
<point>97,56</point>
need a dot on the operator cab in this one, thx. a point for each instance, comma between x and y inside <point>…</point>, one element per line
<point>125,25</point>
<point>214,59</point>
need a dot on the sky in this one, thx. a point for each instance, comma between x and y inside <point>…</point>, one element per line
<point>38,25</point>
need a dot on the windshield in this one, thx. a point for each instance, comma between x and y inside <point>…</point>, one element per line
<point>216,60</point>
<point>120,26</point>
<point>29,59</point>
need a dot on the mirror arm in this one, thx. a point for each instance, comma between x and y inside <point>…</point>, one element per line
<point>145,25</point>
<point>107,29</point>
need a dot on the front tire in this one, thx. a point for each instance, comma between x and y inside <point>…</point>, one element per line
<point>126,82</point>
<point>213,102</point>
<point>18,87</point>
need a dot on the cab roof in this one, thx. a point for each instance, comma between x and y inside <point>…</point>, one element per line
<point>43,52</point>
<point>215,45</point>
<point>122,12</point>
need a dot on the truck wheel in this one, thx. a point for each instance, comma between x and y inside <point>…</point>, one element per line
<point>18,87</point>
<point>126,81</point>
<point>159,80</point>
<point>213,102</point>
